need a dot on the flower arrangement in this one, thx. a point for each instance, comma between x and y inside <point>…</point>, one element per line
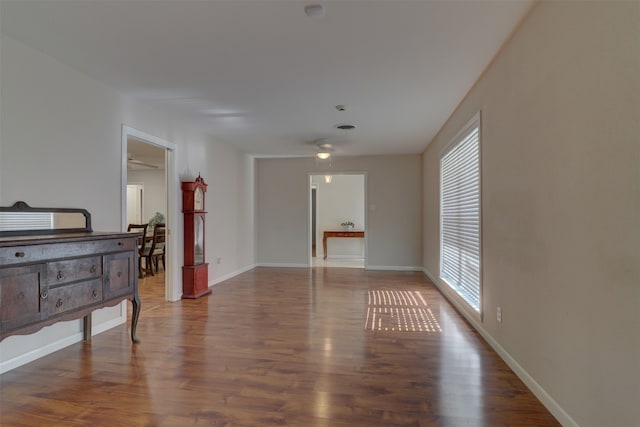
<point>347,225</point>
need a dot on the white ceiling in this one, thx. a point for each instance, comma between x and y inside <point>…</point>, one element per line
<point>143,156</point>
<point>262,76</point>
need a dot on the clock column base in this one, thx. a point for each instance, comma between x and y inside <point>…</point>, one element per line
<point>195,281</point>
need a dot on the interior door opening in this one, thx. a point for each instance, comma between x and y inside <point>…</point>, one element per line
<point>337,220</point>
<point>135,198</point>
<point>148,178</point>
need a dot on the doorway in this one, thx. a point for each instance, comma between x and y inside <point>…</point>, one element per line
<point>135,203</point>
<point>149,165</point>
<point>335,200</point>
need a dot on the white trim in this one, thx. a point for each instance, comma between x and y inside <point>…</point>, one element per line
<point>76,337</point>
<point>392,267</point>
<point>345,257</point>
<point>39,352</point>
<point>544,397</point>
<point>231,275</point>
<point>105,326</point>
<point>281,264</point>
<point>310,176</point>
<point>310,218</point>
<point>173,286</point>
<point>477,117</point>
<point>474,122</point>
<point>52,347</point>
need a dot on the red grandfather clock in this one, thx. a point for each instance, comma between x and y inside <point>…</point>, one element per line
<point>195,272</point>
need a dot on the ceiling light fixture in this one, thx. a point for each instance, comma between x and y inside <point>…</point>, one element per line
<point>324,150</point>
<point>314,10</point>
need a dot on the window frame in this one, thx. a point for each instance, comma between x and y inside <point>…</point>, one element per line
<point>450,289</point>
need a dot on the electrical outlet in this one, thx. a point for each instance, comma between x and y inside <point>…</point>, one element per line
<point>499,314</point>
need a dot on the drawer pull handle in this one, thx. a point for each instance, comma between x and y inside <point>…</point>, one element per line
<point>94,293</point>
<point>119,274</point>
<point>44,294</point>
<point>92,269</point>
<point>19,254</point>
<point>59,303</point>
<point>120,243</point>
<point>21,295</point>
<point>60,275</point>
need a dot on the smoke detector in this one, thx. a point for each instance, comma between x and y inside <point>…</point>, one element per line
<point>314,10</point>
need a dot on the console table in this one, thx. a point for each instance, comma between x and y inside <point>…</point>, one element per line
<point>46,279</point>
<point>327,234</point>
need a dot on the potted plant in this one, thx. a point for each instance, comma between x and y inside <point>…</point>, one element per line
<point>158,218</point>
<point>348,225</point>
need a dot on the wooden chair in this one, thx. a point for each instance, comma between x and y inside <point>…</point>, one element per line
<point>142,245</point>
<point>157,250</point>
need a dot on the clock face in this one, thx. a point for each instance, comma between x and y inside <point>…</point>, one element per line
<point>198,200</point>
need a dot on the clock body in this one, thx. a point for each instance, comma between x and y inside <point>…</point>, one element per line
<point>195,272</point>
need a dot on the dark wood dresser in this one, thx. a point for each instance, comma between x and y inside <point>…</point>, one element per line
<point>48,278</point>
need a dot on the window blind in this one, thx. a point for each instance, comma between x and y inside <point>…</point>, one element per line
<point>460,215</point>
<point>26,221</point>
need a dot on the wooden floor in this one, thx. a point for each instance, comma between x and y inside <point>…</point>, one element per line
<point>282,347</point>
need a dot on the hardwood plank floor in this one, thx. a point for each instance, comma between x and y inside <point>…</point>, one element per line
<point>280,347</point>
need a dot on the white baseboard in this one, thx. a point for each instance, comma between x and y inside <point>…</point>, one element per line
<point>278,264</point>
<point>343,257</point>
<point>392,267</point>
<point>231,275</point>
<point>39,352</point>
<point>54,346</point>
<point>526,378</point>
<point>104,326</point>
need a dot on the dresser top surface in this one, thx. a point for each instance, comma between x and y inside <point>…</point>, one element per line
<point>63,238</point>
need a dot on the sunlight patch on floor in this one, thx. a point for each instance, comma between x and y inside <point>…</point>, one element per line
<point>399,311</point>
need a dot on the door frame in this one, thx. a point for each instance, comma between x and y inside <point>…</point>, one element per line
<point>173,291</point>
<point>309,216</point>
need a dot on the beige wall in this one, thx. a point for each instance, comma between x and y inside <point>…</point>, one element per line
<point>561,205</point>
<point>60,146</point>
<point>394,211</point>
<point>155,191</point>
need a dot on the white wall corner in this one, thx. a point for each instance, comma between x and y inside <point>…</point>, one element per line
<point>231,275</point>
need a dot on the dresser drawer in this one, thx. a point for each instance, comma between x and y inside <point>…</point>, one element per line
<point>78,295</point>
<point>35,253</point>
<point>59,272</point>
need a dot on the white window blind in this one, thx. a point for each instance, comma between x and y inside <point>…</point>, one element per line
<point>26,221</point>
<point>460,214</point>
